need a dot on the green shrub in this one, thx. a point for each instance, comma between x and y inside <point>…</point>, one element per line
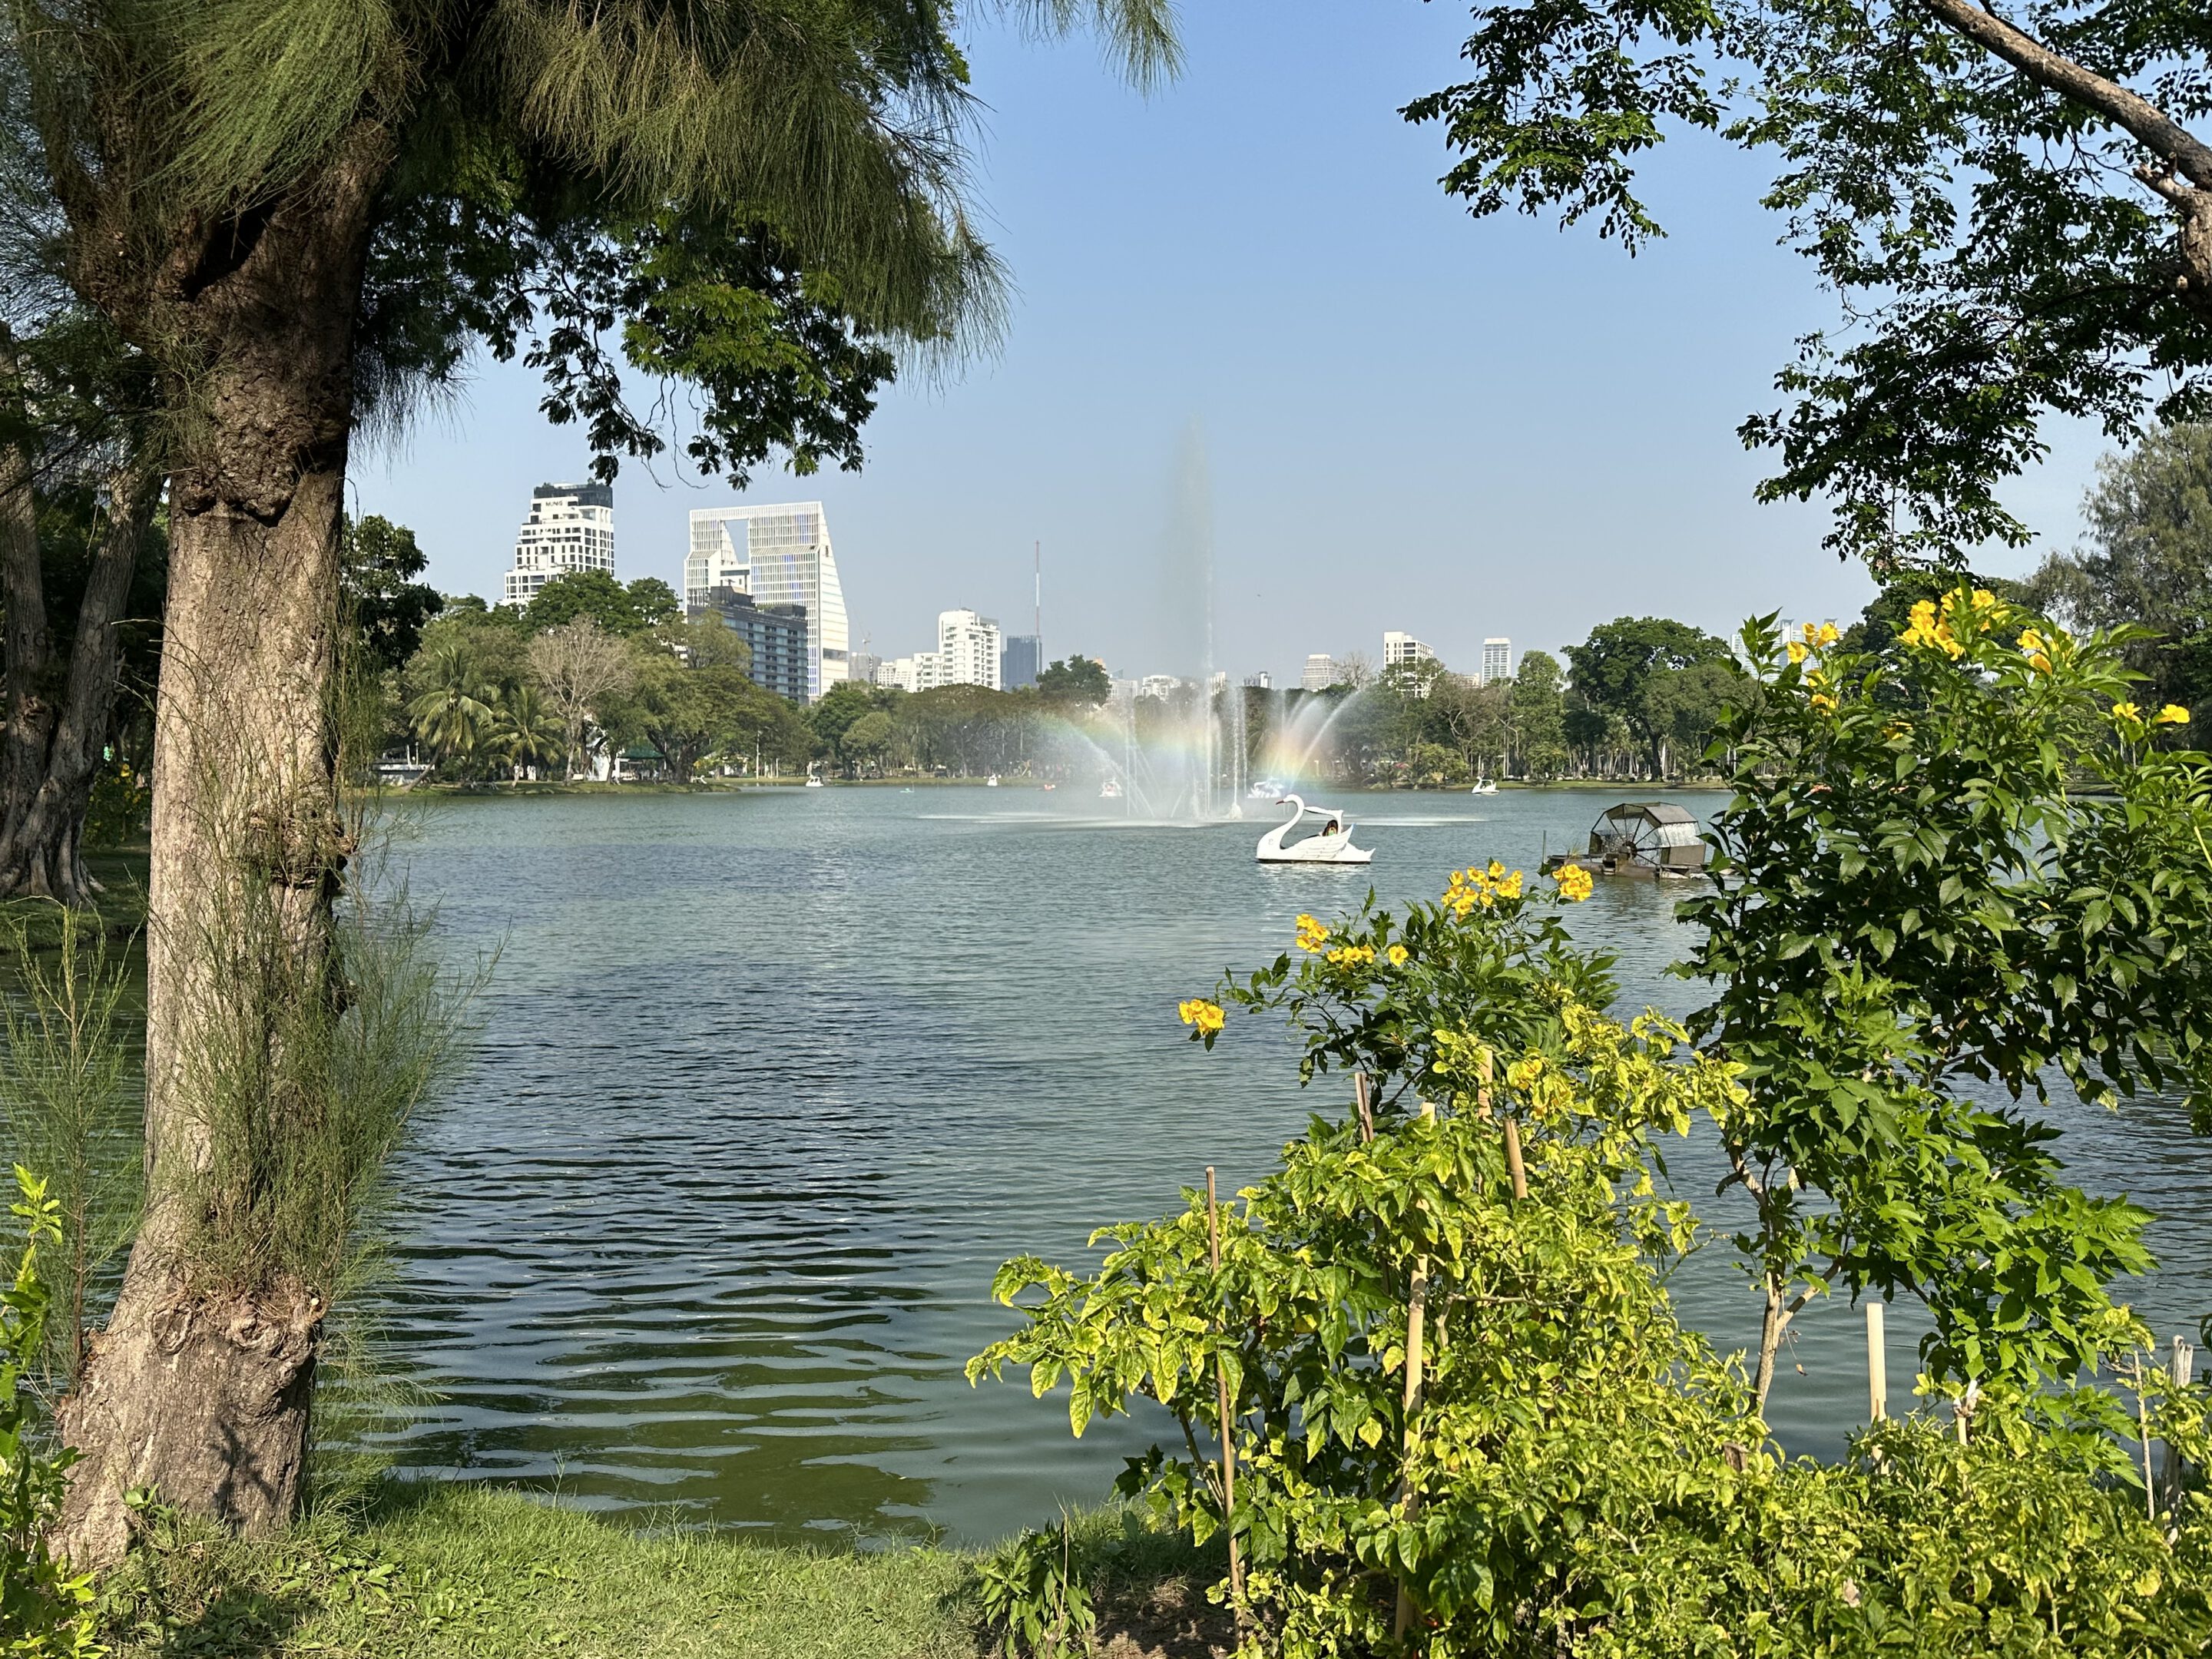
<point>1565,1469</point>
<point>45,1610</point>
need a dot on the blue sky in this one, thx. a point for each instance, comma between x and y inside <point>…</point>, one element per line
<point>1409,419</point>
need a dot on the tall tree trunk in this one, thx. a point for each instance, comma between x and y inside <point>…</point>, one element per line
<point>55,741</point>
<point>199,1386</point>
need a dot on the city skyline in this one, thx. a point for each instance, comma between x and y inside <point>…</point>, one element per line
<point>1542,419</point>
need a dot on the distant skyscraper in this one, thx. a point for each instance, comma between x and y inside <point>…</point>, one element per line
<point>968,646</point>
<point>1321,671</point>
<point>967,654</point>
<point>1020,662</point>
<point>571,528</point>
<point>1403,650</point>
<point>1260,681</point>
<point>1497,660</point>
<point>776,634</point>
<point>781,555</point>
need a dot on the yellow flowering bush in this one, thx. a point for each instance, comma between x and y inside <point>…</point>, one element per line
<point>1205,1018</point>
<point>1375,988</point>
<point>1575,883</point>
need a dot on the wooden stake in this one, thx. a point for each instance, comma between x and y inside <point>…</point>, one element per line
<point>2184,1373</point>
<point>1361,1099</point>
<point>1228,1424</point>
<point>2142,1431</point>
<point>1877,1365</point>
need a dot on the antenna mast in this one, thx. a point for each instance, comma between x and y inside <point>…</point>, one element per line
<point>1037,553</point>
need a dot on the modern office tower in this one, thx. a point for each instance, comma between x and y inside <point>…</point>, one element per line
<point>781,555</point>
<point>1158,685</point>
<point>1021,662</point>
<point>1404,650</point>
<point>1497,660</point>
<point>861,668</point>
<point>1262,681</point>
<point>571,528</point>
<point>967,649</point>
<point>1321,671</point>
<point>775,634</point>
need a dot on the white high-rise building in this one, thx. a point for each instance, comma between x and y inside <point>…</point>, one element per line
<point>1321,672</point>
<point>1497,660</point>
<point>781,555</point>
<point>967,647</point>
<point>1404,650</point>
<point>571,528</point>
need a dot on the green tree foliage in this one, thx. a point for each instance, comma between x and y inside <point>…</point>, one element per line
<point>645,604</point>
<point>523,731</point>
<point>45,1610</point>
<point>378,564</point>
<point>453,712</point>
<point>2147,561</point>
<point>1624,669</point>
<point>2003,883</point>
<point>1078,680</point>
<point>2012,210</point>
<point>840,707</point>
<point>1465,1419</point>
<point>1537,706</point>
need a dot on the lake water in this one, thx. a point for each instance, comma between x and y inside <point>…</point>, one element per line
<point>770,1082</point>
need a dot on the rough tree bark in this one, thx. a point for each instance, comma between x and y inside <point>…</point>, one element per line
<point>57,712</point>
<point>200,1385</point>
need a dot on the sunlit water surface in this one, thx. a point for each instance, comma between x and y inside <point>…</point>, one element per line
<point>770,1083</point>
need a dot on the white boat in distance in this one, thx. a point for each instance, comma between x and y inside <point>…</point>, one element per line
<point>1490,789</point>
<point>1331,846</point>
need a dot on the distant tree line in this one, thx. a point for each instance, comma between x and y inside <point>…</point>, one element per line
<point>591,663</point>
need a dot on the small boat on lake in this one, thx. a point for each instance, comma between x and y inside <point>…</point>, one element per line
<point>1484,788</point>
<point>1649,839</point>
<point>1110,790</point>
<point>1331,846</point>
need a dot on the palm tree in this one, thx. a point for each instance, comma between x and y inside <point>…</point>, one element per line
<point>451,717</point>
<point>307,212</point>
<point>525,731</point>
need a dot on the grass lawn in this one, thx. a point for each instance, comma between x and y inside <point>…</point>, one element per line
<point>439,1571</point>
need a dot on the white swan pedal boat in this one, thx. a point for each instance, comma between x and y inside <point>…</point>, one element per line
<point>1328,847</point>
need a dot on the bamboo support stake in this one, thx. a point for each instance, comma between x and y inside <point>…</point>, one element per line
<point>1228,1423</point>
<point>2142,1431</point>
<point>1877,1365</point>
<point>2185,1372</point>
<point>1365,1101</point>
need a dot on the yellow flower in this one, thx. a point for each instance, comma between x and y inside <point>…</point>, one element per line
<point>1797,648</point>
<point>1984,600</point>
<point>2172,714</point>
<point>1510,887</point>
<point>1398,954</point>
<point>1311,934</point>
<point>1522,1073</point>
<point>1497,870</point>
<point>1824,702</point>
<point>1349,956</point>
<point>1206,1016</point>
<point>2126,711</point>
<point>1827,635</point>
<point>1574,882</point>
